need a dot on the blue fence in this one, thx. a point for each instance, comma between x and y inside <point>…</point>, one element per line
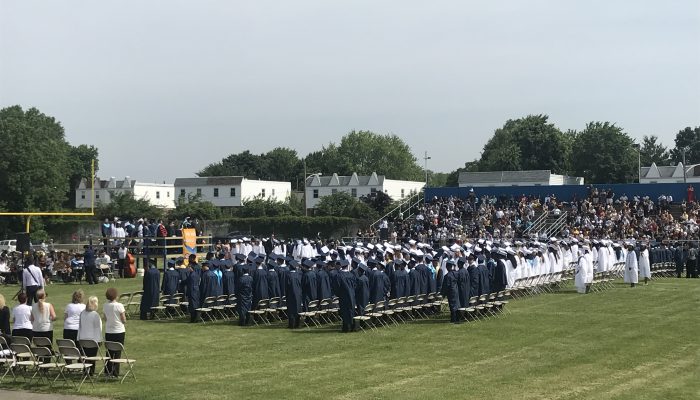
<point>567,192</point>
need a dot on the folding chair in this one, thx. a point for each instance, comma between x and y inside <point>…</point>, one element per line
<point>25,363</point>
<point>159,310</point>
<point>21,340</point>
<point>78,367</point>
<point>174,307</point>
<point>231,306</point>
<point>361,319</point>
<point>42,342</point>
<point>310,314</point>
<point>7,360</point>
<point>134,303</point>
<point>124,360</point>
<point>260,311</point>
<point>91,344</point>
<point>218,306</point>
<point>65,343</point>
<point>205,312</point>
<point>124,298</point>
<point>48,364</point>
<point>272,309</point>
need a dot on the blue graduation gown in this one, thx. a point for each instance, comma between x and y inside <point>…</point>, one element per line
<point>362,293</point>
<point>474,280</point>
<point>323,290</point>
<point>171,280</point>
<point>293,290</point>
<point>346,283</point>
<point>399,284</point>
<point>463,286</point>
<point>379,286</point>
<point>282,272</point>
<point>208,284</point>
<point>229,281</point>
<point>193,294</point>
<point>244,295</point>
<point>309,287</point>
<point>151,290</point>
<point>450,290</point>
<point>500,280</point>
<point>484,280</point>
<point>424,274</point>
<point>273,283</point>
<point>259,286</point>
<point>414,284</point>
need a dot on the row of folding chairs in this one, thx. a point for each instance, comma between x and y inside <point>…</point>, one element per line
<point>544,283</point>
<point>43,364</point>
<point>400,311</point>
<point>663,269</point>
<point>131,302</point>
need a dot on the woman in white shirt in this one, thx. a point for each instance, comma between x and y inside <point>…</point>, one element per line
<point>42,317</point>
<point>22,318</point>
<point>90,327</point>
<point>115,318</point>
<point>71,318</point>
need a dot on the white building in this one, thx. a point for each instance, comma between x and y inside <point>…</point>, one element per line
<point>516,178</point>
<point>669,174</point>
<point>158,194</point>
<point>231,191</point>
<point>318,186</point>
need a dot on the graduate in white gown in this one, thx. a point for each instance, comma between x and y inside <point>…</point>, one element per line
<point>644,265</point>
<point>631,267</point>
<point>602,258</point>
<point>583,272</point>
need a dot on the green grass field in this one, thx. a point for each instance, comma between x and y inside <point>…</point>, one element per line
<point>624,343</point>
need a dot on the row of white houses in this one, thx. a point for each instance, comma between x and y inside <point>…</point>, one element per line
<point>233,191</point>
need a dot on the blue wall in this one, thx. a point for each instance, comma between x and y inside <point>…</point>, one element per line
<point>566,192</point>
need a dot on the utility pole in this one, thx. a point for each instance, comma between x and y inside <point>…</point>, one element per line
<point>426,158</point>
<point>685,181</point>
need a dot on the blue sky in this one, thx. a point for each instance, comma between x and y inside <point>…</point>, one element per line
<point>163,88</point>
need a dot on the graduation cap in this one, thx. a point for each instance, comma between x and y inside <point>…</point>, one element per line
<point>320,263</point>
<point>308,263</point>
<point>171,262</point>
<point>293,264</point>
<point>429,257</point>
<point>272,264</point>
<point>399,262</point>
<point>240,257</point>
<point>356,260</point>
<point>450,262</point>
<point>344,263</point>
<point>363,268</point>
<point>252,256</point>
<point>259,259</point>
<point>371,262</point>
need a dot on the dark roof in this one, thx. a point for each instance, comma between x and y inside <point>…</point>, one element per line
<point>209,181</point>
<point>505,176</point>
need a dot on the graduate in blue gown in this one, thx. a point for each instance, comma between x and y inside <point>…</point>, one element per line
<point>193,295</point>
<point>463,286</point>
<point>474,279</point>
<point>229,279</point>
<point>399,280</point>
<point>309,284</point>
<point>484,279</point>
<point>244,296</point>
<point>260,291</point>
<point>151,291</point>
<point>171,281</point>
<point>380,285</point>
<point>362,289</point>
<point>294,298</point>
<point>323,290</point>
<point>282,271</point>
<point>208,284</point>
<point>450,290</point>
<point>346,283</point>
<point>273,281</point>
<point>414,279</point>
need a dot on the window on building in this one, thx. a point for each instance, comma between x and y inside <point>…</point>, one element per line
<point>82,195</point>
<point>262,193</point>
<point>273,192</point>
<point>199,192</point>
<point>233,192</point>
<point>216,192</point>
<point>97,195</point>
<point>167,194</point>
<point>334,191</point>
<point>182,192</point>
<point>373,190</point>
<point>157,195</point>
<point>353,191</point>
<point>315,193</point>
<point>402,195</point>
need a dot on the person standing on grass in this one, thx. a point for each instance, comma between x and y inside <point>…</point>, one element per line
<point>294,294</point>
<point>43,316</point>
<point>582,271</point>
<point>151,290</point>
<point>71,317</point>
<point>32,280</point>
<point>22,318</point>
<point>244,294</point>
<point>631,267</point>
<point>692,261</point>
<point>450,290</point>
<point>115,330</point>
<point>89,328</point>
<point>679,257</point>
<point>346,283</point>
<point>644,264</point>
<point>194,280</point>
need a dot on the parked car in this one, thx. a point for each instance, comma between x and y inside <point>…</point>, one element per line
<point>8,245</point>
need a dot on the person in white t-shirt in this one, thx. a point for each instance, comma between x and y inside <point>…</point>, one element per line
<point>22,318</point>
<point>43,316</point>
<point>90,328</point>
<point>71,317</point>
<point>115,318</point>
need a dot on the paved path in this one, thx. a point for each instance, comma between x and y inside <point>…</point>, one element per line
<point>22,395</point>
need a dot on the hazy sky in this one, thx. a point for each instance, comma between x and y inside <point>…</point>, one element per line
<point>163,88</point>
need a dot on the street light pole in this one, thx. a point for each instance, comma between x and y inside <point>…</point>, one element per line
<point>426,158</point>
<point>685,180</point>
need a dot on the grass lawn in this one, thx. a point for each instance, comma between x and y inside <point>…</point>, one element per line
<point>624,343</point>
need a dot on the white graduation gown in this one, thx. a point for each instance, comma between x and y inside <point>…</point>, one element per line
<point>631,268</point>
<point>602,260</point>
<point>510,273</point>
<point>581,275</point>
<point>644,266</point>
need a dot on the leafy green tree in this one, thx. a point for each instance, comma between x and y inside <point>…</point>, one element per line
<point>437,179</point>
<point>125,206</point>
<point>604,154</point>
<point>529,143</point>
<point>80,164</point>
<point>242,164</point>
<point>652,151</point>
<point>689,139</point>
<point>259,207</point>
<point>195,208</point>
<point>34,168</point>
<point>452,179</point>
<point>379,201</point>
<point>282,164</point>
<point>342,204</point>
